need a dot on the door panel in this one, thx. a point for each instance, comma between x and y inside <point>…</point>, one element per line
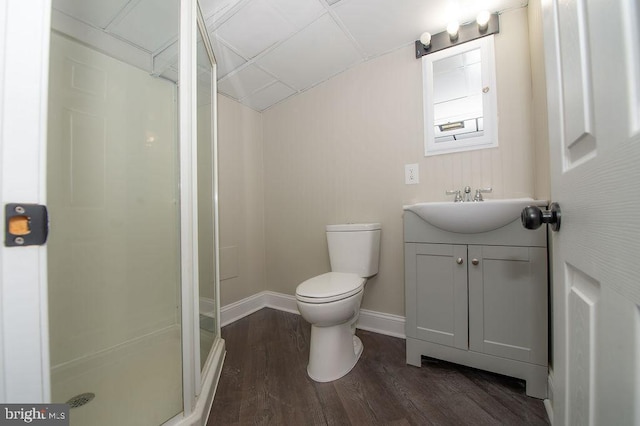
<point>584,293</point>
<point>596,291</point>
<point>577,85</point>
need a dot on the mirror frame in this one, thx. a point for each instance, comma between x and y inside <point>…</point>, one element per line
<point>489,100</point>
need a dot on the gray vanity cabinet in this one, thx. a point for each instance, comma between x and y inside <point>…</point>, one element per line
<point>436,288</point>
<point>508,302</point>
<point>478,299</point>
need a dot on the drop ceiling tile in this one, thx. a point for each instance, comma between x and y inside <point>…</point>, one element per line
<point>95,12</point>
<point>268,96</point>
<point>226,59</point>
<point>313,55</point>
<point>254,28</point>
<point>150,24</point>
<point>214,8</point>
<point>244,82</point>
<point>380,26</point>
<point>299,12</point>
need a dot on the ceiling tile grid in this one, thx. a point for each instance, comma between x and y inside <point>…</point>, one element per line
<point>254,28</point>
<point>300,13</point>
<point>151,24</point>
<point>380,26</point>
<point>314,51</point>
<point>268,50</point>
<point>268,96</point>
<point>245,82</point>
<point>227,60</point>
<point>96,13</point>
<point>315,54</point>
<point>149,27</point>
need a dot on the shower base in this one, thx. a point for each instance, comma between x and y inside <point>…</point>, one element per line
<point>136,384</point>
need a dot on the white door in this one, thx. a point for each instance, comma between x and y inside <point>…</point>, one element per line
<point>592,52</point>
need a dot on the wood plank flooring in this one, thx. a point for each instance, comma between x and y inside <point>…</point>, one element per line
<point>264,382</point>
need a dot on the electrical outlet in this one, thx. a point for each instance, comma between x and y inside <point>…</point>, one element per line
<point>411,174</point>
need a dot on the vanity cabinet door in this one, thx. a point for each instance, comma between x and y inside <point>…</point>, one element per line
<point>508,302</point>
<point>436,293</point>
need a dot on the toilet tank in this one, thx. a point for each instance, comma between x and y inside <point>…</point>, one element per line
<point>354,248</point>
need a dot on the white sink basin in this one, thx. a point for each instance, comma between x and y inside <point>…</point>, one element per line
<point>473,217</point>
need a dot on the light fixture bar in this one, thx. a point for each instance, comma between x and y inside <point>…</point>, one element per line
<point>467,32</point>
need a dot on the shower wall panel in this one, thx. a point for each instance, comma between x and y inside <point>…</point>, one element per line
<point>113,199</point>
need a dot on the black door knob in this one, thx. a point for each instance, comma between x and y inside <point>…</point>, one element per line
<point>532,217</point>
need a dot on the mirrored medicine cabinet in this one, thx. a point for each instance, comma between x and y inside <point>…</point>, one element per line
<point>459,89</point>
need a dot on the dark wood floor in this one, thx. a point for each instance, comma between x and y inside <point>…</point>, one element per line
<point>264,381</point>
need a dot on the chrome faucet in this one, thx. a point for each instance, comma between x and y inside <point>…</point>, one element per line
<point>459,197</point>
<point>467,194</point>
<point>479,192</point>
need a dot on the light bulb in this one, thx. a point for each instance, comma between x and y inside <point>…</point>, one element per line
<point>452,29</point>
<point>483,20</point>
<point>425,39</point>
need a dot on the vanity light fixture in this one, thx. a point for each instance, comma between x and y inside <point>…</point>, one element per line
<point>484,25</point>
<point>452,29</point>
<point>483,20</point>
<point>425,39</point>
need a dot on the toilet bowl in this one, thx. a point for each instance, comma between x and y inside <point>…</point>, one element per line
<point>335,349</point>
<point>331,301</point>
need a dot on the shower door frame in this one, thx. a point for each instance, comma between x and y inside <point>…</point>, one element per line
<point>24,324</point>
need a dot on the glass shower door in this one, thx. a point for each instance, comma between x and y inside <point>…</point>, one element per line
<point>114,244</point>
<point>90,155</point>
<point>208,317</point>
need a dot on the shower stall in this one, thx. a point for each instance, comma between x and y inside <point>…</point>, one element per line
<point>127,313</point>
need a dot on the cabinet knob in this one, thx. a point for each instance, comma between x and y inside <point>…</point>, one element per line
<point>475,261</point>
<point>459,261</point>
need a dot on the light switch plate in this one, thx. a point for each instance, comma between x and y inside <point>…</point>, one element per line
<point>411,174</point>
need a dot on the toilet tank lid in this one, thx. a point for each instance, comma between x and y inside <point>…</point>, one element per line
<point>350,227</point>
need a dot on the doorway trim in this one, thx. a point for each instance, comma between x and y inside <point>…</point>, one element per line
<point>24,75</point>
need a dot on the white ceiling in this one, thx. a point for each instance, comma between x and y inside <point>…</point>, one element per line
<point>269,50</point>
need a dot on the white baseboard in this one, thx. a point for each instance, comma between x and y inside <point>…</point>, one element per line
<point>242,308</point>
<point>281,302</point>
<point>378,322</point>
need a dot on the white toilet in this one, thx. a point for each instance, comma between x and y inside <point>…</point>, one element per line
<point>331,301</point>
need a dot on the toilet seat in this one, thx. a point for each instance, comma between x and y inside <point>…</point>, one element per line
<point>329,287</point>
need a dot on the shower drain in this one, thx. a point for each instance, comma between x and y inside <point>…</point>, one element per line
<point>80,400</point>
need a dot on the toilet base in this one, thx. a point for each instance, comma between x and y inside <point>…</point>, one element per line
<point>333,353</point>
